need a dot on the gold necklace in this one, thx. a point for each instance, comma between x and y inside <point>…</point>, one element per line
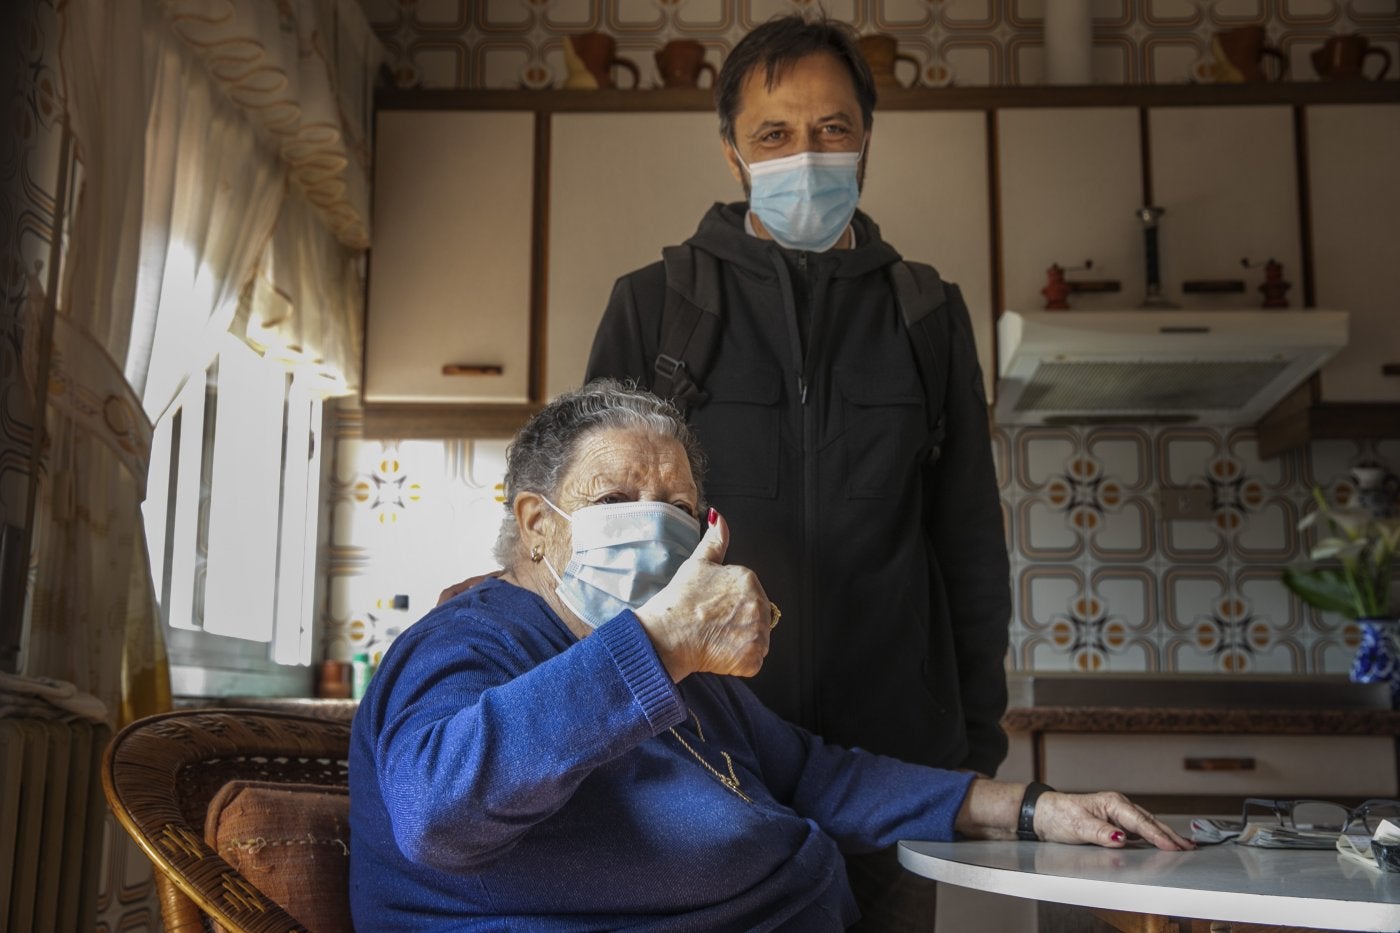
<point>732,780</point>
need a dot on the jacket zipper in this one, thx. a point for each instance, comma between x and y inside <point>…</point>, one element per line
<point>807,698</point>
<point>809,507</point>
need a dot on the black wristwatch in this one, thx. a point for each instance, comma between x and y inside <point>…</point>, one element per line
<point>1025,824</point>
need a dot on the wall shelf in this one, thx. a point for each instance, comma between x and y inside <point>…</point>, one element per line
<point>1298,93</point>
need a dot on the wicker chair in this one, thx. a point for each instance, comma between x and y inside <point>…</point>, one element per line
<point>161,775</point>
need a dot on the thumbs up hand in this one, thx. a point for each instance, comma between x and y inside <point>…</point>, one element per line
<point>710,617</point>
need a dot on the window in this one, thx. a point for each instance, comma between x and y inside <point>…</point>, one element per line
<point>230,514</point>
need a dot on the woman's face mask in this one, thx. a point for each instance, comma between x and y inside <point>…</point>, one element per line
<point>624,553</point>
<point>805,201</point>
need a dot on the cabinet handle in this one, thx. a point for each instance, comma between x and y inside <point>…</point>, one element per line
<point>1218,764</point>
<point>1390,369</point>
<point>472,369</point>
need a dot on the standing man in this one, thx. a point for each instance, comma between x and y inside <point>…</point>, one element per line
<point>857,482</point>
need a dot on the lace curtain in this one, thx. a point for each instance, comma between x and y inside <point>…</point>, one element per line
<point>208,135</point>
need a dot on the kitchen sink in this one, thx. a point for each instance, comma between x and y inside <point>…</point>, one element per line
<point>1213,691</point>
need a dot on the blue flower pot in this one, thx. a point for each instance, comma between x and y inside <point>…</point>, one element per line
<point>1378,656</point>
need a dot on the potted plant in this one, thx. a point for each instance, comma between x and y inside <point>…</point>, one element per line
<point>1349,572</point>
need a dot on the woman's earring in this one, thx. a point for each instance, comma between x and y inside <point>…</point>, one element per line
<point>536,554</point>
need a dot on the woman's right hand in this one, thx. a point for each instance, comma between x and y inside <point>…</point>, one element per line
<point>710,617</point>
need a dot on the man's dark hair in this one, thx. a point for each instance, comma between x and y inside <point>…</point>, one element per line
<point>777,45</point>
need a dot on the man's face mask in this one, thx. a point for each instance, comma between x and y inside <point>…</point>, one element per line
<point>805,201</point>
<point>624,554</point>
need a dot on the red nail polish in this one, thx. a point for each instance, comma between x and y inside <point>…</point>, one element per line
<point>1117,837</point>
<point>713,516</point>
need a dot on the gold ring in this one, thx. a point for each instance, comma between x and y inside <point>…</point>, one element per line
<point>774,614</point>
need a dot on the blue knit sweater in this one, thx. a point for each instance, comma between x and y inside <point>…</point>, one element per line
<point>505,775</point>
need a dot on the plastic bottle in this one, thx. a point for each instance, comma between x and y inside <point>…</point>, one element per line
<point>360,672</point>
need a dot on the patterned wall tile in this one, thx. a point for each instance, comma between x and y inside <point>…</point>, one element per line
<point>407,519</point>
<point>454,43</point>
<point>902,15</point>
<point>1044,535</point>
<point>1086,531</point>
<point>1125,533</point>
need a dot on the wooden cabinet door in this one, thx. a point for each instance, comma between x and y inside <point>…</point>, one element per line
<point>1209,764</point>
<point>1354,196</point>
<point>1227,177</point>
<point>1070,189</point>
<point>621,186</point>
<point>449,272</point>
<point>926,186</point>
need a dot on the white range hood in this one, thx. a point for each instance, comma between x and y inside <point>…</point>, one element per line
<point>1157,366</point>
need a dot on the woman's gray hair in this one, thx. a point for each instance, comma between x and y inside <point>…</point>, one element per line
<point>545,447</point>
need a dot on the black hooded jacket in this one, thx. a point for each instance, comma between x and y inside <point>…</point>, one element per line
<point>883,547</point>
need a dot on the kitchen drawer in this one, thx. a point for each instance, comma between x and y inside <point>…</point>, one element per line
<point>1199,764</point>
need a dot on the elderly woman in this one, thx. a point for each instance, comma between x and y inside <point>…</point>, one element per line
<point>570,746</point>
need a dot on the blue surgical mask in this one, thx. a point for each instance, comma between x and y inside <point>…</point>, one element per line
<point>805,201</point>
<point>624,554</point>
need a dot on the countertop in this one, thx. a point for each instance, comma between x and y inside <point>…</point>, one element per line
<point>1318,704</point>
<point>1137,719</point>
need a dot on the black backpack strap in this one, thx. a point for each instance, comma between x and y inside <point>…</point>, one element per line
<point>919,292</point>
<point>689,326</point>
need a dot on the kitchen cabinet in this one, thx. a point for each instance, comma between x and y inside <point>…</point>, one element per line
<point>1196,765</point>
<point>1204,761</point>
<point>502,219</point>
<point>1071,185</point>
<point>450,269</point>
<point>1072,181</point>
<point>621,186</point>
<point>1227,177</point>
<point>616,199</point>
<point>926,186</point>
<point>1353,203</point>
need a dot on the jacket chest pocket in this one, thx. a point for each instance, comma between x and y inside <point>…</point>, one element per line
<point>884,429</point>
<point>738,429</point>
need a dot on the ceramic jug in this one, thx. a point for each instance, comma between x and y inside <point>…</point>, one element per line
<point>1343,57</point>
<point>590,58</point>
<point>1240,54</point>
<point>681,62</point>
<point>882,54</point>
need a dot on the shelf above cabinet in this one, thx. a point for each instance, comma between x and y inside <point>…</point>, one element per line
<point>917,98</point>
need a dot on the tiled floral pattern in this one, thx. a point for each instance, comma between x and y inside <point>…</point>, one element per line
<point>1102,582</point>
<point>519,43</point>
<point>407,518</point>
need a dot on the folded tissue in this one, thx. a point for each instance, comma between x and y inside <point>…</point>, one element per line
<point>1380,851</point>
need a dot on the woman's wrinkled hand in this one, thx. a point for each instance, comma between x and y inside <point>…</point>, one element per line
<point>1106,818</point>
<point>710,617</point>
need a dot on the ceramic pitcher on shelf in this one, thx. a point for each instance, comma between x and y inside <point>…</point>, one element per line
<point>590,58</point>
<point>1344,56</point>
<point>681,62</point>
<point>882,55</point>
<point>1240,54</point>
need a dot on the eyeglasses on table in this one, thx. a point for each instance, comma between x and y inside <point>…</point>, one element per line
<point>1320,815</point>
